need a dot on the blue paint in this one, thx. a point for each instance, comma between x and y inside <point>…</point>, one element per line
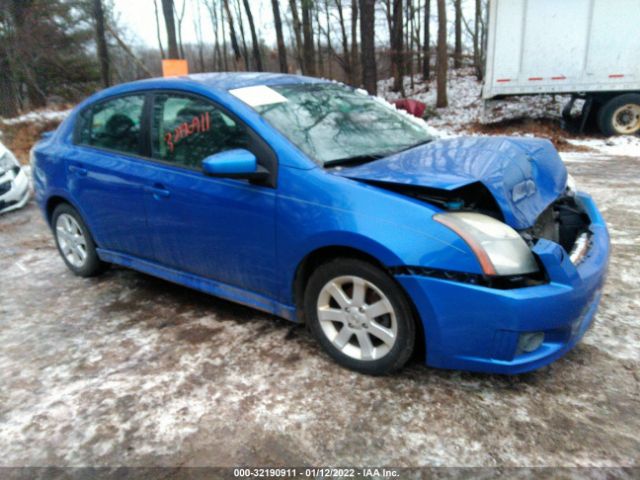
<point>231,162</point>
<point>244,241</point>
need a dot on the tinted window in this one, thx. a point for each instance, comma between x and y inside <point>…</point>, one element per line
<point>186,130</point>
<point>114,124</point>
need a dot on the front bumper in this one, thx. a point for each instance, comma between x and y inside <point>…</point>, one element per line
<point>475,328</point>
<point>18,192</point>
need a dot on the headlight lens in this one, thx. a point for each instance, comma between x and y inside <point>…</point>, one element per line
<point>498,247</point>
<point>7,161</point>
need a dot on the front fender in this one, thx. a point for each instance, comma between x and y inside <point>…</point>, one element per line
<point>318,210</point>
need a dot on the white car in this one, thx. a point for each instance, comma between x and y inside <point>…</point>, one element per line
<point>14,182</point>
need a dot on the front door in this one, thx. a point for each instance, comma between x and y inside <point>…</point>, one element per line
<point>222,229</point>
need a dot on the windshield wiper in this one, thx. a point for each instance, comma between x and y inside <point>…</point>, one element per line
<point>357,160</point>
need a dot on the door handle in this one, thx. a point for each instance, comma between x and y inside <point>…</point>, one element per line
<point>158,191</point>
<point>78,170</point>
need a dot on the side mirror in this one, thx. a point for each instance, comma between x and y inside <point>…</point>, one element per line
<point>237,163</point>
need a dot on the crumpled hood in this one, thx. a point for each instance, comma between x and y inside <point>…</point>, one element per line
<point>524,175</point>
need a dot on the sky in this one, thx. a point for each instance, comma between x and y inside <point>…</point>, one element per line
<point>138,17</point>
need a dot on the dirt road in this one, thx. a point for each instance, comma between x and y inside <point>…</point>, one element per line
<point>127,369</point>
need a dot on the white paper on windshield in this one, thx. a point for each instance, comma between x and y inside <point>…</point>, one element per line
<point>257,95</point>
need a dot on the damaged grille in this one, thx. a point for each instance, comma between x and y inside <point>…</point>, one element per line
<point>563,222</point>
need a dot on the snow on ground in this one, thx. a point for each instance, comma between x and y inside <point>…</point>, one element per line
<point>37,116</point>
<point>465,112</point>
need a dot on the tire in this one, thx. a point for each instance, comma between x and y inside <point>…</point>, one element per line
<point>68,227</point>
<point>620,115</point>
<point>331,304</point>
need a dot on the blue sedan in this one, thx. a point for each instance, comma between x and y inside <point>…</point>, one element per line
<point>318,203</point>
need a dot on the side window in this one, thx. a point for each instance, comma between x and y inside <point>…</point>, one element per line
<point>186,130</point>
<point>114,124</point>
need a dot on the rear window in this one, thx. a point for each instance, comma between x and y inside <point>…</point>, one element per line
<point>113,124</point>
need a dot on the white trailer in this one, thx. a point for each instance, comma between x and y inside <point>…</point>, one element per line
<point>587,48</point>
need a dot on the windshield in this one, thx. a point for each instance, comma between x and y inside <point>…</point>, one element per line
<point>334,124</point>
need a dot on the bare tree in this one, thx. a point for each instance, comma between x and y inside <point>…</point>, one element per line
<point>307,32</point>
<point>155,10</point>
<point>426,66</point>
<point>442,57</point>
<point>354,39</point>
<point>197,25</point>
<point>232,34</point>
<point>282,50</point>
<point>345,60</point>
<point>167,11</point>
<point>367,43</point>
<point>254,37</point>
<point>397,47</point>
<point>101,43</point>
<point>217,54</point>
<point>457,51</point>
<point>297,30</point>
<point>179,19</point>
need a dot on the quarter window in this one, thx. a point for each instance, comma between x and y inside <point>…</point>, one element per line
<point>114,124</point>
<point>186,130</point>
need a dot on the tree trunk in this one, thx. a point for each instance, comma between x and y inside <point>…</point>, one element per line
<point>217,56</point>
<point>297,30</point>
<point>245,50</point>
<point>155,10</point>
<point>457,52</point>
<point>307,32</point>
<point>282,50</point>
<point>179,26</point>
<point>367,44</point>
<point>426,51</point>
<point>345,62</point>
<point>101,43</point>
<point>254,37</point>
<point>223,47</point>
<point>167,11</point>
<point>8,95</point>
<point>442,59</point>
<point>354,41</point>
<point>232,34</point>
<point>397,48</point>
<point>329,45</point>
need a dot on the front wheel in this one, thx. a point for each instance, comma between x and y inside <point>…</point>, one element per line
<point>360,316</point>
<point>620,115</point>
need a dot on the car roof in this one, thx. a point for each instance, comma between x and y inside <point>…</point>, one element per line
<point>224,81</point>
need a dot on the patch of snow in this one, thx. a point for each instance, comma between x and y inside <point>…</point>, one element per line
<point>466,108</point>
<point>628,146</point>
<point>39,116</point>
<point>466,105</point>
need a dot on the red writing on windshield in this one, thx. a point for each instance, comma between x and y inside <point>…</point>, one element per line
<point>199,124</point>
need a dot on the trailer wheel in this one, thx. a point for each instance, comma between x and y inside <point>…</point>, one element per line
<point>620,115</point>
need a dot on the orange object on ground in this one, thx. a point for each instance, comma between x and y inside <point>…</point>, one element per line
<point>174,68</point>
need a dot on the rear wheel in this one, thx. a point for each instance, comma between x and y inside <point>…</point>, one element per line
<point>360,316</point>
<point>620,115</point>
<point>75,244</point>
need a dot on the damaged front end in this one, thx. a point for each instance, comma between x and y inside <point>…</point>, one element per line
<point>501,195</point>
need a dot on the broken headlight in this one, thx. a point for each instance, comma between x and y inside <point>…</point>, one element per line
<point>498,247</point>
<point>7,162</point>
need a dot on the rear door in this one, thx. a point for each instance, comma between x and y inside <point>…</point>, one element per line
<point>219,228</point>
<point>107,174</point>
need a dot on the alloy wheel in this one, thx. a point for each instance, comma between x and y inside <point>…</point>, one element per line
<point>71,240</point>
<point>357,318</point>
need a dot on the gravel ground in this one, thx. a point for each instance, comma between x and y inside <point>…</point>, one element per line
<point>125,369</point>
